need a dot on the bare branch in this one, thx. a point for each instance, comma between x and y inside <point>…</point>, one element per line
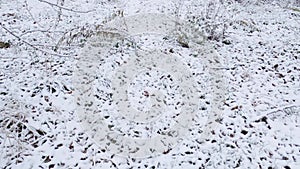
<point>43,31</point>
<point>29,44</point>
<point>67,9</point>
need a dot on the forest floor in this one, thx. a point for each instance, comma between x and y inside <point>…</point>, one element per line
<point>41,41</point>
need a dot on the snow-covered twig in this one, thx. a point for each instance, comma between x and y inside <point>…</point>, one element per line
<point>43,31</point>
<point>29,44</point>
<point>64,8</point>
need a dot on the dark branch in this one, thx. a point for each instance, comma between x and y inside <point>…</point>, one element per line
<point>29,44</point>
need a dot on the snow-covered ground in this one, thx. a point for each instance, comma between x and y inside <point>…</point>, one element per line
<point>257,43</point>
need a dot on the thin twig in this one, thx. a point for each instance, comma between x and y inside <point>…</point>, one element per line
<point>33,31</point>
<point>67,9</point>
<point>59,13</point>
<point>28,10</point>
<point>29,44</point>
<point>13,57</point>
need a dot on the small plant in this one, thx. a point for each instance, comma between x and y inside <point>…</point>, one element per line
<point>211,17</point>
<point>15,133</point>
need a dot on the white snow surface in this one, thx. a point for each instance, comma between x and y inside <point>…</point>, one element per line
<point>260,51</point>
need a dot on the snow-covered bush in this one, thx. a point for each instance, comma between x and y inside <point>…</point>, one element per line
<point>211,17</point>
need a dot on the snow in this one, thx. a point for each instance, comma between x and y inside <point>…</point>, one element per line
<point>258,123</point>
